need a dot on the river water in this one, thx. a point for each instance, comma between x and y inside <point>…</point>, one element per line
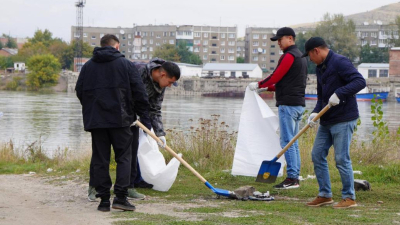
<point>56,119</point>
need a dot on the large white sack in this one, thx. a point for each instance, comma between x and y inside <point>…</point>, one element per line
<point>257,138</point>
<point>152,164</point>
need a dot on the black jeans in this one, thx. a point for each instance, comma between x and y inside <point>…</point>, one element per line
<point>121,141</point>
<point>135,171</point>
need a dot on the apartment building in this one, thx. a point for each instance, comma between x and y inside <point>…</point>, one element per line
<point>240,49</point>
<point>215,44</point>
<point>377,35</point>
<point>259,49</point>
<point>92,36</point>
<point>212,44</point>
<point>184,33</point>
<point>149,37</point>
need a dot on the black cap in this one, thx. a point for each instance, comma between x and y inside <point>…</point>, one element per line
<point>284,31</point>
<point>312,43</point>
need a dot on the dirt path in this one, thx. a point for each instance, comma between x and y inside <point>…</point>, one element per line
<point>33,200</point>
<point>36,200</point>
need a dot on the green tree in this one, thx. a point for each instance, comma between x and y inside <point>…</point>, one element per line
<point>45,37</point>
<point>44,71</point>
<point>43,42</point>
<point>239,60</point>
<point>300,42</point>
<point>339,34</point>
<point>10,42</point>
<point>1,45</point>
<point>187,56</point>
<point>6,62</point>
<point>370,54</point>
<point>68,54</point>
<point>167,52</point>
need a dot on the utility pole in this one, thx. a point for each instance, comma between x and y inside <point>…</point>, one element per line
<point>79,33</point>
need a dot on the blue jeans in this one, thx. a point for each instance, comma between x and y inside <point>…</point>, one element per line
<point>339,135</point>
<point>289,118</point>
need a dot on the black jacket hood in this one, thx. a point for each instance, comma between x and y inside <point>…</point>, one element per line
<point>105,54</point>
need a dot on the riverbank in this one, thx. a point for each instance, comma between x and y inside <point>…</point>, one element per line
<point>54,190</point>
<point>16,82</point>
<point>53,199</point>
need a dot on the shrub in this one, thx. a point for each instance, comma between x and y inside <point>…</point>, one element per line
<point>14,84</point>
<point>44,71</point>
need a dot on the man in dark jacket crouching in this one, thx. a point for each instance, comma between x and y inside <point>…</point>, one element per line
<point>108,87</point>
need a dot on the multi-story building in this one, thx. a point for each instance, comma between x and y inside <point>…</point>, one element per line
<point>184,33</point>
<point>92,36</point>
<point>215,44</point>
<point>240,49</point>
<point>259,49</point>
<point>377,35</point>
<point>150,37</point>
<point>212,44</point>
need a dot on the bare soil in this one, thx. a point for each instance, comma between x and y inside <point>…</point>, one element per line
<point>37,200</point>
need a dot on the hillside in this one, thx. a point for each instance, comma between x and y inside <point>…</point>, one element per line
<point>386,14</point>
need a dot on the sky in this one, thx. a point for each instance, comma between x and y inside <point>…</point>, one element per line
<point>21,18</point>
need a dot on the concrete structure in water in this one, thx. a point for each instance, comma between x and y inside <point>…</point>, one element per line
<point>187,86</point>
<point>237,70</point>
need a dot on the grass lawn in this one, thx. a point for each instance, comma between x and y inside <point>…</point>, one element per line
<point>191,202</point>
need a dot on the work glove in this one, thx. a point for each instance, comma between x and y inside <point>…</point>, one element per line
<point>262,90</point>
<point>163,142</point>
<point>253,86</point>
<point>310,118</point>
<point>334,100</point>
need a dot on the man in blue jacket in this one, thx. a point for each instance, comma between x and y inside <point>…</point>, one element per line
<point>111,92</point>
<point>337,85</point>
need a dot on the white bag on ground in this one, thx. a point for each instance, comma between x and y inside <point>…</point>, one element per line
<point>152,164</point>
<point>257,138</point>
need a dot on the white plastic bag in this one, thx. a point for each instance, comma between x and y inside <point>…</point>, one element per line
<point>257,138</point>
<point>152,164</point>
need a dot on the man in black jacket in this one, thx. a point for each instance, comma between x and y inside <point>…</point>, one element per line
<point>108,87</point>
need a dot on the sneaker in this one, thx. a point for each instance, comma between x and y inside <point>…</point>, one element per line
<point>288,183</point>
<point>143,184</point>
<point>345,203</point>
<point>92,194</point>
<point>320,201</point>
<point>104,205</point>
<point>133,194</point>
<point>123,203</point>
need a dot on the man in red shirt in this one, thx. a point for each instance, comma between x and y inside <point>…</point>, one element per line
<point>289,83</point>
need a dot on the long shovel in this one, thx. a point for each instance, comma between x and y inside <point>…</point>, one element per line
<point>269,169</point>
<point>217,191</point>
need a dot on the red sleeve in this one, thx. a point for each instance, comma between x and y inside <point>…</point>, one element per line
<point>274,78</point>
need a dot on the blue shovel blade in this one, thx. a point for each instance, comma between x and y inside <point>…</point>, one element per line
<point>222,192</point>
<point>268,171</point>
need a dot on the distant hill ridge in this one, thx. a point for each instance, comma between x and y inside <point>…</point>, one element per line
<point>385,14</point>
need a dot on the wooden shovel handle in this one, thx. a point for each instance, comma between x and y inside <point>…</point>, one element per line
<point>302,131</point>
<point>170,151</point>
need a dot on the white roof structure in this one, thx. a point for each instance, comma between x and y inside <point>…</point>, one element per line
<point>374,65</point>
<point>188,65</point>
<point>229,67</point>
